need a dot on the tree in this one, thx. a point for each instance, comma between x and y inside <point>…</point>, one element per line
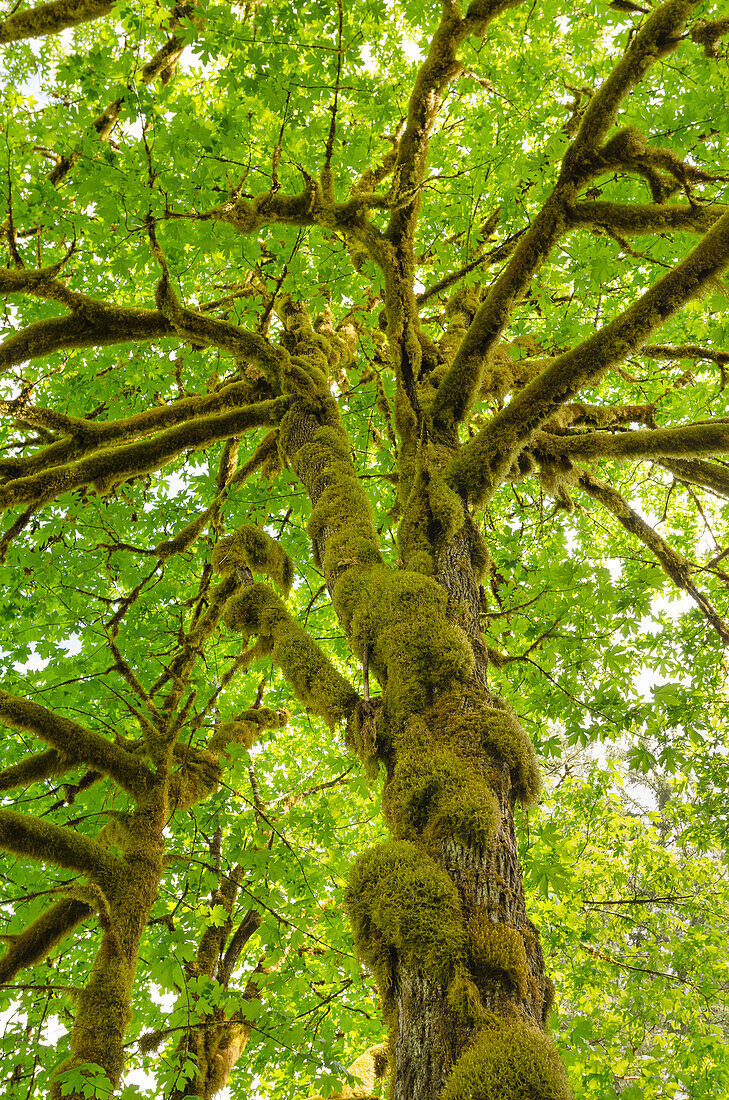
<point>390,306</point>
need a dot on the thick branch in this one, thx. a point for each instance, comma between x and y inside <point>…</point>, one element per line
<point>709,475</point>
<point>32,769</point>
<point>250,924</point>
<point>111,325</point>
<point>659,36</point>
<point>674,564</point>
<point>693,439</point>
<point>111,467</point>
<point>462,382</point>
<point>42,840</point>
<point>684,351</point>
<point>90,435</point>
<point>634,219</point>
<point>483,462</point>
<point>74,742</point>
<point>51,18</point>
<point>33,944</point>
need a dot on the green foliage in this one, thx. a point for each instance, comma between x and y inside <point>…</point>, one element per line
<point>246,432</point>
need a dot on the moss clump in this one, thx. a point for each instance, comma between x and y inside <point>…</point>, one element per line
<point>250,546</point>
<point>362,734</point>
<point>495,729</point>
<point>435,792</point>
<point>511,1059</point>
<point>465,1001</point>
<point>315,680</point>
<point>432,513</point>
<point>497,947</point>
<point>342,520</point>
<point>398,897</point>
<point>246,728</point>
<point>197,776</point>
<point>400,620</point>
<point>502,732</point>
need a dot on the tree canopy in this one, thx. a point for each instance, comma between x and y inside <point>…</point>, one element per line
<point>364,456</point>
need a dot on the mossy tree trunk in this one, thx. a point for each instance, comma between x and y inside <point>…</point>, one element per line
<point>439,913</point>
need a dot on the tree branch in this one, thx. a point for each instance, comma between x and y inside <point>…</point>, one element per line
<point>673,563</point>
<point>711,437</point>
<point>248,926</point>
<point>51,18</point>
<point>460,386</point>
<point>634,219</point>
<point>40,937</point>
<point>116,464</point>
<point>709,475</point>
<point>659,36</point>
<point>483,462</point>
<point>42,840</point>
<point>75,743</point>
<point>31,769</point>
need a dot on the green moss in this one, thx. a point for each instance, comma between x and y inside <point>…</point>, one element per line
<point>362,734</point>
<point>464,999</point>
<point>315,680</point>
<point>502,732</point>
<point>197,776</point>
<point>253,547</point>
<point>497,947</point>
<point>398,897</point>
<point>434,792</point>
<point>511,1061</point>
<point>432,513</point>
<point>400,620</point>
<point>246,728</point>
<point>480,558</point>
<point>494,729</point>
<point>255,610</point>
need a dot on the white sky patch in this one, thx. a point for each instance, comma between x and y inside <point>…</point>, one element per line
<point>53,1030</point>
<point>166,1001</point>
<point>12,1016</point>
<point>141,1078</point>
<point>614,567</point>
<point>73,645</point>
<point>368,62</point>
<point>134,128</point>
<point>34,662</point>
<point>411,49</point>
<point>177,484</point>
<point>647,679</point>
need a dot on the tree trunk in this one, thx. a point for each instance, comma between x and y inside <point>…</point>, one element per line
<point>438,913</point>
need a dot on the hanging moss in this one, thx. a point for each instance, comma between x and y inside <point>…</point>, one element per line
<point>362,734</point>
<point>251,546</point>
<point>246,728</point>
<point>465,1001</point>
<point>435,792</point>
<point>197,776</point>
<point>497,947</point>
<point>511,1059</point>
<point>315,680</point>
<point>398,897</point>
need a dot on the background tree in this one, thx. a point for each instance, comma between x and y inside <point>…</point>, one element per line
<point>349,414</point>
